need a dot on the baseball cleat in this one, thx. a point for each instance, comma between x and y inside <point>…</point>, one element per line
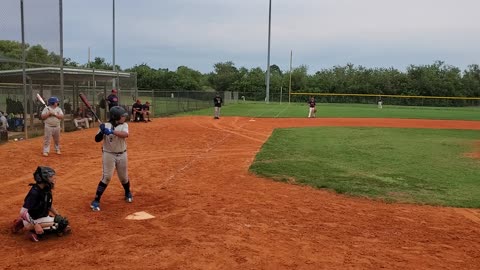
<point>32,237</point>
<point>95,205</point>
<point>58,152</point>
<point>45,154</point>
<point>129,197</point>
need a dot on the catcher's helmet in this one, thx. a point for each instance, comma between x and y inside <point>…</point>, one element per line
<point>44,175</point>
<point>53,100</point>
<point>116,112</point>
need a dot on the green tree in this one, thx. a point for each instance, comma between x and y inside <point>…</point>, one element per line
<point>37,54</point>
<point>33,55</point>
<point>224,76</point>
<point>189,79</point>
<point>10,50</point>
<point>471,81</point>
<point>299,78</point>
<point>100,63</point>
<point>145,76</point>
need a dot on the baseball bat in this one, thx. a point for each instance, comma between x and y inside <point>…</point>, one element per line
<point>85,101</point>
<point>41,100</point>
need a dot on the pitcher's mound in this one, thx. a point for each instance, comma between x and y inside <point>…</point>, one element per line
<point>140,216</point>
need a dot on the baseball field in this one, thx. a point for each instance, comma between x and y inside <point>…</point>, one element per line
<point>213,210</point>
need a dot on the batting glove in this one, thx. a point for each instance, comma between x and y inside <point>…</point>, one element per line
<point>107,131</point>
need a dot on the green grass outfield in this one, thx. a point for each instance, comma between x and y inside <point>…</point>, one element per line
<point>403,165</point>
<point>250,109</point>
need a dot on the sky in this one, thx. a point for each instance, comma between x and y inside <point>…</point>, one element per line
<point>199,33</point>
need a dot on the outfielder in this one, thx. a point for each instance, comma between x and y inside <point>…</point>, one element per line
<point>34,215</point>
<point>113,134</point>
<point>312,108</point>
<point>52,115</point>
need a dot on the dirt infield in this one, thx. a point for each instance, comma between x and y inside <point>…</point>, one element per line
<point>191,173</point>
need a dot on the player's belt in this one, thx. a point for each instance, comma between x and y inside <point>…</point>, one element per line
<point>116,153</point>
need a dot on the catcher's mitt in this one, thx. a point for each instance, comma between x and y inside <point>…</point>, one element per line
<point>62,223</point>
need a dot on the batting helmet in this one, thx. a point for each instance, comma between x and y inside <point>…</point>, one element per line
<point>53,100</point>
<point>44,175</point>
<point>116,112</point>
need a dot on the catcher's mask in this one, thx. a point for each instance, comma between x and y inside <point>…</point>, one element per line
<point>44,175</point>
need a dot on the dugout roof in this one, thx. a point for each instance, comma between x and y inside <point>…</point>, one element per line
<point>51,75</point>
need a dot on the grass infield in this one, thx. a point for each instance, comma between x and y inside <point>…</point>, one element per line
<point>396,165</point>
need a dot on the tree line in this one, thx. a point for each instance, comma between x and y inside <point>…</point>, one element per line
<point>436,79</point>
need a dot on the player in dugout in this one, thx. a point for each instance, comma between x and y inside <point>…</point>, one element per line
<point>146,112</point>
<point>137,111</point>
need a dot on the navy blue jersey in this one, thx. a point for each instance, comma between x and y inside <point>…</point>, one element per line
<point>146,107</point>
<point>311,103</point>
<point>137,107</point>
<point>217,101</point>
<point>112,100</point>
<point>38,202</point>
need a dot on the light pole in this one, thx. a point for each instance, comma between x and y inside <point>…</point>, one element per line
<point>62,88</point>
<point>267,98</point>
<point>24,71</point>
<point>290,81</point>
<point>113,58</point>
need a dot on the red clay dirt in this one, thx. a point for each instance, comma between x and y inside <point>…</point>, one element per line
<point>191,173</point>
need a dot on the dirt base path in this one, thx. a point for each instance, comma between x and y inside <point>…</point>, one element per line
<point>191,173</point>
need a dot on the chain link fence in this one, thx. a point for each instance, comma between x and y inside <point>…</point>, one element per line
<point>166,102</point>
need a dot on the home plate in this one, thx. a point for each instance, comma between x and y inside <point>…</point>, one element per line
<point>140,216</point>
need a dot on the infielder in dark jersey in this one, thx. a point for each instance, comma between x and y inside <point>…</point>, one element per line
<point>217,104</point>
<point>113,134</point>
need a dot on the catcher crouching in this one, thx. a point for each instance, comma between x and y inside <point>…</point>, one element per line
<point>35,218</point>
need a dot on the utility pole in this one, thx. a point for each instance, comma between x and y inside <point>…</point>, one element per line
<point>24,71</point>
<point>62,88</point>
<point>114,83</point>
<point>267,98</point>
<point>290,82</point>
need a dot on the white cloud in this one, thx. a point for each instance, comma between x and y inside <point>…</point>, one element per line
<point>198,34</point>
